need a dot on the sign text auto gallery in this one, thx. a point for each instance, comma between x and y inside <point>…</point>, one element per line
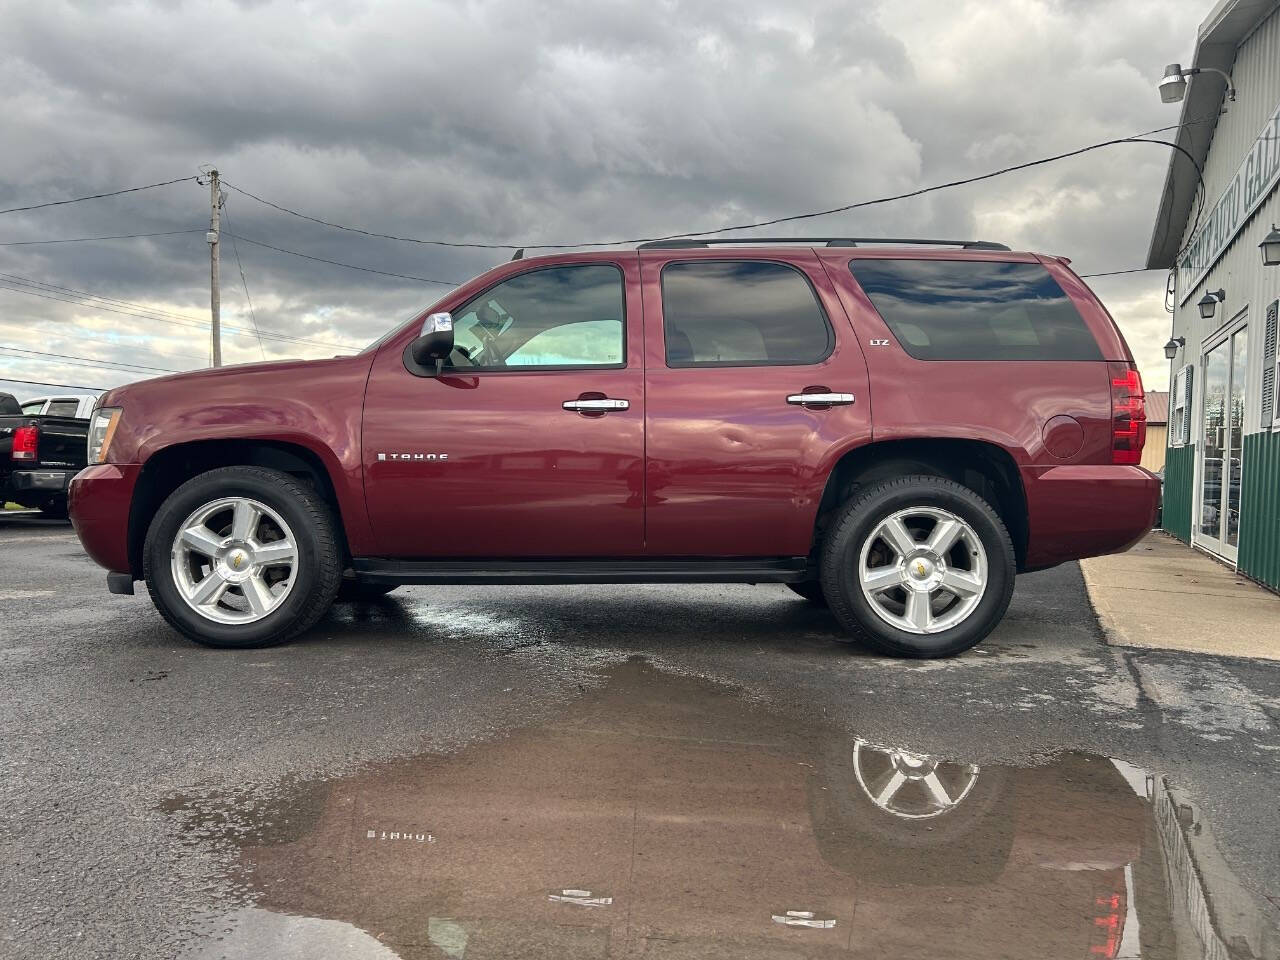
<point>1253,182</point>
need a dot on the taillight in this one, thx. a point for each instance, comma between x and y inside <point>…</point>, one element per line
<point>1128,413</point>
<point>24,443</point>
<point>1109,911</point>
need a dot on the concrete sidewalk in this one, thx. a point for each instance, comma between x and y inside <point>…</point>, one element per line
<point>1161,593</point>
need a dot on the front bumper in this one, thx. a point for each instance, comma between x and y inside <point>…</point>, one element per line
<point>1085,511</point>
<point>98,503</point>
<point>43,481</point>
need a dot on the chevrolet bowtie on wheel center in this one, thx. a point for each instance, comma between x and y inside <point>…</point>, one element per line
<point>892,428</point>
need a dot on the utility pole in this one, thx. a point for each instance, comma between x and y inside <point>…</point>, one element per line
<point>215,294</point>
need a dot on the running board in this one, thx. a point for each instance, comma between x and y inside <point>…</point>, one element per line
<point>717,570</point>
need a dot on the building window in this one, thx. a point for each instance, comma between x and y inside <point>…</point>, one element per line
<point>1270,368</point>
<point>1180,407</point>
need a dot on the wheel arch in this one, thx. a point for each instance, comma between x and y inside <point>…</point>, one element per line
<point>986,468</point>
<point>171,466</point>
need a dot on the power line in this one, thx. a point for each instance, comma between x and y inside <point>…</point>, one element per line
<point>91,364</point>
<point>51,291</point>
<point>80,334</point>
<point>28,281</point>
<point>47,295</point>
<point>252,318</point>
<point>65,386</point>
<point>96,196</point>
<point>1116,273</point>
<point>70,356</point>
<point>118,236</point>
<point>1135,138</point>
<point>350,266</point>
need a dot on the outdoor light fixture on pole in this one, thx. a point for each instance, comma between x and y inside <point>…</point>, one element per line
<point>1173,85</point>
<point>1173,346</point>
<point>1209,303</point>
<point>1270,247</point>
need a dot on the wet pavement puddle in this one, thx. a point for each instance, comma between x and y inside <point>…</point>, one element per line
<point>664,817</point>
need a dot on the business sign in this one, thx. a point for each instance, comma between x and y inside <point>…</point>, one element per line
<point>1252,183</point>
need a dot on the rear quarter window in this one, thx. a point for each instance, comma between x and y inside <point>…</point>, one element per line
<point>63,408</point>
<point>975,310</point>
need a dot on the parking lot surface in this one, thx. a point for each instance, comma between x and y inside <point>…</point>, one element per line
<point>614,771</point>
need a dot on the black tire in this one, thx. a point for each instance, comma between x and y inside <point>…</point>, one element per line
<point>811,590</point>
<point>316,576</point>
<point>355,591</point>
<point>857,520</point>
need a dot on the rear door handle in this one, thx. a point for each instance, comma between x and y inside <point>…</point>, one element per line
<point>824,399</point>
<point>596,406</point>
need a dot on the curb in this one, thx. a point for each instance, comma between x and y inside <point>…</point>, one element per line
<point>1112,632</point>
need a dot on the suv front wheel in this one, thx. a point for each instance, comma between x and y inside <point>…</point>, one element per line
<point>242,557</point>
<point>918,566</point>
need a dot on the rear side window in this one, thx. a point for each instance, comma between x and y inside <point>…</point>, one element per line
<point>34,407</point>
<point>976,310</point>
<point>62,408</point>
<point>741,313</point>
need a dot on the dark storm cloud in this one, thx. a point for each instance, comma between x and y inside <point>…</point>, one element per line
<point>553,122</point>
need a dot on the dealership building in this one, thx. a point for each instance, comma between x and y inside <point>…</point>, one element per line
<point>1219,239</point>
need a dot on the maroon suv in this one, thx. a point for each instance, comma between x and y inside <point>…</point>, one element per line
<point>893,428</point>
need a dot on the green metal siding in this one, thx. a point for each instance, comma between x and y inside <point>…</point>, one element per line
<point>1259,555</point>
<point>1179,473</point>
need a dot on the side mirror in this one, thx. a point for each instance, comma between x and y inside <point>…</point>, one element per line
<point>426,355</point>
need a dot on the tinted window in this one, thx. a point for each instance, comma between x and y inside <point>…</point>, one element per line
<point>62,408</point>
<point>558,317</point>
<point>35,406</point>
<point>975,310</point>
<point>741,313</point>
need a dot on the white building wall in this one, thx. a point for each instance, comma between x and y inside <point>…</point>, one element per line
<point>1248,285</point>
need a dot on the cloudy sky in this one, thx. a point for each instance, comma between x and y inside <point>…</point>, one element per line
<point>523,121</point>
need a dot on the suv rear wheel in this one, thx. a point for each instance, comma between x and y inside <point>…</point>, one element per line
<point>918,566</point>
<point>242,557</point>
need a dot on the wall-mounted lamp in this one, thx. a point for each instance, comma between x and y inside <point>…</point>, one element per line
<point>1171,348</point>
<point>1270,247</point>
<point>1209,303</point>
<point>1173,85</point>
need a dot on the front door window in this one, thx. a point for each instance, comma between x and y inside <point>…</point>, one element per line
<point>1225,368</point>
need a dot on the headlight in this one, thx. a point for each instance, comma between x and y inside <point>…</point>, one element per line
<point>102,427</point>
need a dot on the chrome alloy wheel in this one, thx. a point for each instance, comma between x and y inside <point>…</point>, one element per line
<point>910,785</point>
<point>923,570</point>
<point>234,560</point>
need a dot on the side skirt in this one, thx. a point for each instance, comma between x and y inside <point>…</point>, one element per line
<point>715,570</point>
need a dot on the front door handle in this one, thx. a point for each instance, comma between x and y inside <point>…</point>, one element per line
<point>820,398</point>
<point>602,405</point>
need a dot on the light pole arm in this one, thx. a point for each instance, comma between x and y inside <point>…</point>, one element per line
<point>1231,90</point>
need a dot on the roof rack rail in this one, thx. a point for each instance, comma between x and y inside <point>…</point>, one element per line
<point>683,243</point>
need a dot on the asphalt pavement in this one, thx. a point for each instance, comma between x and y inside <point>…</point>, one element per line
<point>690,754</point>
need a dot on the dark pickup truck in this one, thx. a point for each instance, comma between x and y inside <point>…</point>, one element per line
<point>41,451</point>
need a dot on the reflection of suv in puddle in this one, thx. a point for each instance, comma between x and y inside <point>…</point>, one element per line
<point>662,817</point>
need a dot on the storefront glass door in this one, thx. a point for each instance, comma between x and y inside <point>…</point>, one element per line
<point>1222,440</point>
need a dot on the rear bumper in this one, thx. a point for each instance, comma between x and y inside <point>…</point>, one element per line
<point>1085,511</point>
<point>43,481</point>
<point>99,502</point>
